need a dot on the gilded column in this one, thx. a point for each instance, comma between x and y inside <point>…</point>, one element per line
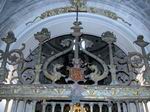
<point>137,106</point>
<point>41,37</point>
<point>62,107</point>
<point>110,107</point>
<point>119,106</point>
<point>100,107</point>
<point>91,107</point>
<point>124,107</point>
<point>146,107</point>
<point>53,106</point>
<point>6,105</point>
<point>44,106</point>
<point>24,106</point>
<point>71,107</point>
<point>141,43</point>
<point>128,106</point>
<point>15,108</point>
<point>110,38</point>
<point>33,105</point>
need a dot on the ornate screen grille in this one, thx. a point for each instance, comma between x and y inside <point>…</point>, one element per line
<point>75,73</point>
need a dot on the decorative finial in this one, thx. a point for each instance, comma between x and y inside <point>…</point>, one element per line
<point>108,37</point>
<point>43,35</point>
<point>10,38</point>
<point>140,41</point>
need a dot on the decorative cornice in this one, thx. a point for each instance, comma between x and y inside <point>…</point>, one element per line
<point>64,91</point>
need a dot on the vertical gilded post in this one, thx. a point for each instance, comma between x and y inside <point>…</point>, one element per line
<point>4,55</point>
<point>6,105</point>
<point>128,106</point>
<point>124,107</point>
<point>16,102</point>
<point>62,107</point>
<point>119,106</point>
<point>34,105</point>
<point>137,106</point>
<point>24,105</point>
<point>110,38</point>
<point>141,43</point>
<point>146,106</point>
<point>44,106</point>
<point>91,107</point>
<point>109,106</point>
<point>53,106</point>
<point>100,107</point>
<point>76,33</point>
<point>42,36</point>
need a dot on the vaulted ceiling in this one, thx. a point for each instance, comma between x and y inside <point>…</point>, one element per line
<point>126,18</point>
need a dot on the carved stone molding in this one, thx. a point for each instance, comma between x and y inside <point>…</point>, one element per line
<point>63,92</point>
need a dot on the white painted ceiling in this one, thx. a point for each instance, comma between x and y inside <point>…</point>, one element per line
<point>14,14</point>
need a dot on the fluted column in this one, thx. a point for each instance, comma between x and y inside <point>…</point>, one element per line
<point>119,106</point>
<point>24,106</point>
<point>71,107</point>
<point>53,106</point>
<point>15,108</point>
<point>62,107</point>
<point>110,107</point>
<point>33,105</point>
<point>128,106</point>
<point>6,105</point>
<point>137,106</point>
<point>82,105</point>
<point>100,107</point>
<point>124,107</point>
<point>146,107</point>
<point>91,107</point>
<point>44,106</point>
<point>141,106</point>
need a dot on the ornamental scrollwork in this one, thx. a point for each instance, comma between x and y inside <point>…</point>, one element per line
<point>75,59</point>
<point>140,60</point>
<point>16,56</point>
<point>10,57</point>
<point>136,59</point>
<point>55,76</point>
<point>123,77</point>
<point>97,74</point>
<point>30,74</point>
<point>27,76</point>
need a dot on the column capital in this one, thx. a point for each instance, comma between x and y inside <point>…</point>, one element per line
<point>53,103</point>
<point>145,101</point>
<point>62,104</point>
<point>91,104</point>
<point>100,104</point>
